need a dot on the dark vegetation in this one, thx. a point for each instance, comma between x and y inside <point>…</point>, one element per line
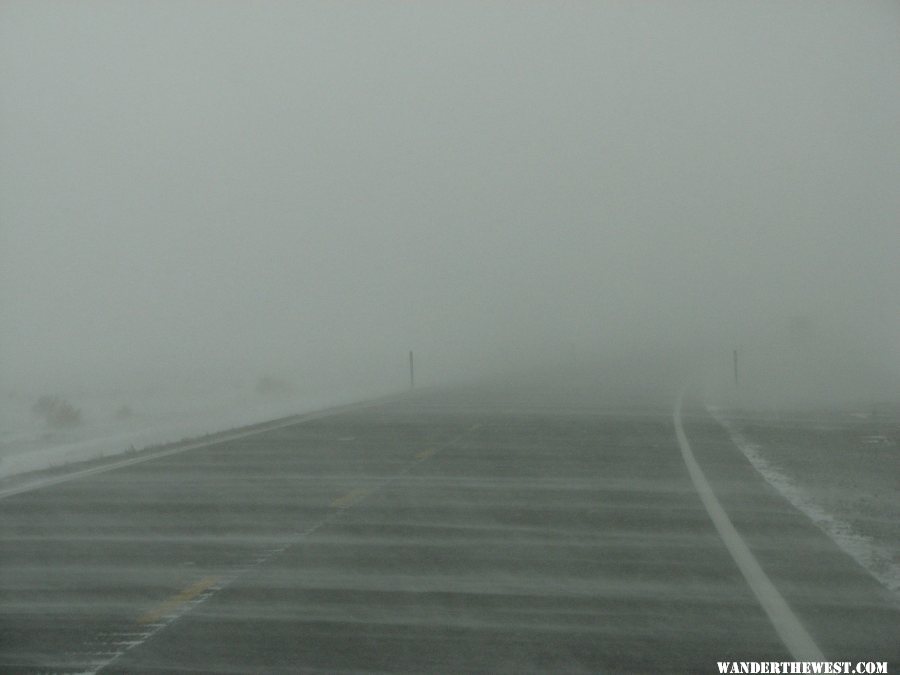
<point>56,412</point>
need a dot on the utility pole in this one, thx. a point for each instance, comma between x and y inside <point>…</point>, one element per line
<point>735,369</point>
<point>412,371</point>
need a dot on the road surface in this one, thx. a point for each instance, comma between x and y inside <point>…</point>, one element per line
<point>463,530</point>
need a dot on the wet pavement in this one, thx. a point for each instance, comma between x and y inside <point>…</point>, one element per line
<point>451,531</point>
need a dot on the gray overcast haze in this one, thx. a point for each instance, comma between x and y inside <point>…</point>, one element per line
<point>212,190</point>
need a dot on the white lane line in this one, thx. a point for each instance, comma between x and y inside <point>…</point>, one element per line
<point>225,438</point>
<point>792,633</point>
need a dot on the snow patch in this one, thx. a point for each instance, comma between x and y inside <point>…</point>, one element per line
<point>873,557</point>
<point>25,448</point>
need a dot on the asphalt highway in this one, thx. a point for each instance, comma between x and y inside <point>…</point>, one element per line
<point>450,531</point>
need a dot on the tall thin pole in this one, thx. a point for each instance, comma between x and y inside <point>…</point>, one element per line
<point>412,372</point>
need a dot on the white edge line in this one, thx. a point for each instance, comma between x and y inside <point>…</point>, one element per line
<point>867,553</point>
<point>224,438</point>
<point>789,628</point>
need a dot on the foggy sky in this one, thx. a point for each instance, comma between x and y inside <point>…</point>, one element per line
<point>194,188</point>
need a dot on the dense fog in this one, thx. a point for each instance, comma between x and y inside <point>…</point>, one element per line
<point>645,257</point>
<point>196,193</point>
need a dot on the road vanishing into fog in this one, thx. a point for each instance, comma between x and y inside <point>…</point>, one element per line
<point>468,530</point>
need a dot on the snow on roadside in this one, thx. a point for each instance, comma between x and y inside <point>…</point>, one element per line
<point>25,447</point>
<point>872,555</point>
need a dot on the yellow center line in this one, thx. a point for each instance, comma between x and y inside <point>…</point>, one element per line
<point>347,500</point>
<point>425,454</point>
<point>176,601</point>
